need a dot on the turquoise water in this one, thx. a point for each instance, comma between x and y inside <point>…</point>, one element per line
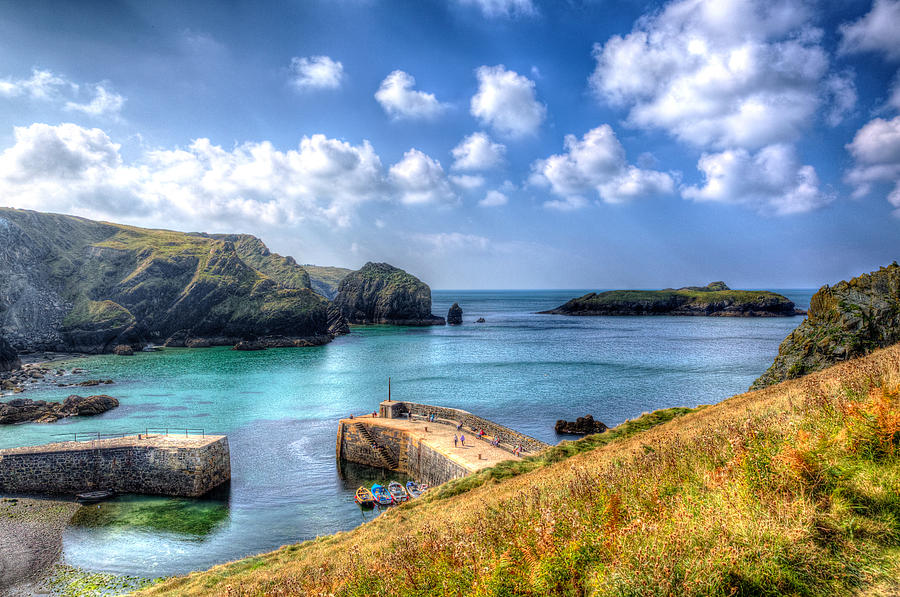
<point>279,409</point>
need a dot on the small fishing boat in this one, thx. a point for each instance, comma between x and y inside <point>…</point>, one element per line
<point>381,495</point>
<point>413,489</point>
<point>364,497</point>
<point>397,492</point>
<point>90,497</point>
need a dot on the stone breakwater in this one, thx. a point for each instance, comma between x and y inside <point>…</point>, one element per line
<point>159,465</point>
<point>405,439</point>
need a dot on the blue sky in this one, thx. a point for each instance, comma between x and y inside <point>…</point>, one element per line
<point>476,143</point>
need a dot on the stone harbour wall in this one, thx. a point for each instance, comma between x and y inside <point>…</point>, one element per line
<point>430,466</point>
<point>173,467</point>
<point>470,422</point>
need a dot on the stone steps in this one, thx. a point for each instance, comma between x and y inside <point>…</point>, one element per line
<point>384,455</point>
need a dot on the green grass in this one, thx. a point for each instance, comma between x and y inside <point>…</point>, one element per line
<point>559,452</point>
<point>106,313</point>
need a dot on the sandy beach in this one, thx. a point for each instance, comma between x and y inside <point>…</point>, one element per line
<point>31,532</point>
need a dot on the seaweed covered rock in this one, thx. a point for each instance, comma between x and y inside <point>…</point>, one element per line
<point>580,426</point>
<point>382,293</point>
<point>22,410</point>
<point>454,315</point>
<point>9,360</point>
<point>847,320</point>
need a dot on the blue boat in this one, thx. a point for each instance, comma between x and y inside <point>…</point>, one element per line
<point>413,489</point>
<point>382,495</point>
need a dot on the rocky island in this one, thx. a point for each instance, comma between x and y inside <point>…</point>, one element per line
<point>715,299</point>
<point>72,284</point>
<point>847,320</point>
<point>383,294</point>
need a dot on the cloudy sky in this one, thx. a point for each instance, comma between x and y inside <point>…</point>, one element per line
<point>476,143</point>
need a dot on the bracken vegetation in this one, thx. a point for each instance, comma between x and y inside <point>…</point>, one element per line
<point>791,490</point>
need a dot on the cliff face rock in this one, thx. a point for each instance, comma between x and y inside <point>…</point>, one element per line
<point>382,293</point>
<point>325,280</point>
<point>68,283</point>
<point>22,410</point>
<point>847,320</point>
<point>454,315</point>
<point>9,360</point>
<point>716,299</point>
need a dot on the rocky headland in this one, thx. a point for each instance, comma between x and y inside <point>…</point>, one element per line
<point>380,293</point>
<point>847,320</point>
<point>24,410</point>
<point>75,285</point>
<point>715,299</point>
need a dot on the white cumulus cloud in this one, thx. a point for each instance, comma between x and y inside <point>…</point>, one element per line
<point>507,102</point>
<point>772,181</point>
<point>876,31</point>
<point>47,86</point>
<point>316,72</point>
<point>596,163</point>
<point>478,152</point>
<point>720,73</point>
<point>104,103</point>
<point>467,181</point>
<point>876,152</point>
<point>42,84</point>
<point>494,198</point>
<point>399,98</point>
<point>419,179</point>
<point>503,8</point>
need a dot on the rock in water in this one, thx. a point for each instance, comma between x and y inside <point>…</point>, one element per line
<point>847,320</point>
<point>21,410</point>
<point>123,350</point>
<point>382,293</point>
<point>9,360</point>
<point>580,426</point>
<point>480,320</point>
<point>454,315</point>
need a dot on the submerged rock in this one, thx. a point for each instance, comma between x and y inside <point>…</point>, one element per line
<point>382,293</point>
<point>480,320</point>
<point>847,320</point>
<point>581,426</point>
<point>21,410</point>
<point>454,315</point>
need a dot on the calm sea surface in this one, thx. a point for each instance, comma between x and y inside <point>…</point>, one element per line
<point>279,409</point>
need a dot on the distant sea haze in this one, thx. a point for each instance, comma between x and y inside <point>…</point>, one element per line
<point>280,407</point>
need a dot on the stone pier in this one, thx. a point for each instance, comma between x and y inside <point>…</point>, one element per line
<point>150,464</point>
<point>404,438</point>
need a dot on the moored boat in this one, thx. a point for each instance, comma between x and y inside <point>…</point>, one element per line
<point>412,489</point>
<point>364,497</point>
<point>381,495</point>
<point>397,492</point>
<point>90,497</point>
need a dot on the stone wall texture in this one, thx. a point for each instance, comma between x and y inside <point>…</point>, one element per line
<point>508,437</point>
<point>136,466</point>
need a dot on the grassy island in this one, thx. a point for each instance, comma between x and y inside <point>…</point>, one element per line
<point>715,299</point>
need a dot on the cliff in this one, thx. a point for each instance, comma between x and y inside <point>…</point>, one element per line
<point>325,279</point>
<point>9,360</point>
<point>69,283</point>
<point>382,293</point>
<point>846,320</point>
<point>716,299</point>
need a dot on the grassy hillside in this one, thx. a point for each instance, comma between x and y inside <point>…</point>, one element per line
<point>794,489</point>
<point>326,279</point>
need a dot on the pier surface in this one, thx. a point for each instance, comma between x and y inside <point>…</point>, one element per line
<point>404,438</point>
<point>151,464</point>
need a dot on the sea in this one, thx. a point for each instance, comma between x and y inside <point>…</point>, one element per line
<point>280,407</point>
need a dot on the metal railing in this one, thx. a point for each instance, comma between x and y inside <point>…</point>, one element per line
<point>90,436</point>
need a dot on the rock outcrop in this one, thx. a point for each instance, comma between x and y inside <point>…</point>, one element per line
<point>382,293</point>
<point>123,350</point>
<point>22,410</point>
<point>580,426</point>
<point>73,284</point>
<point>454,315</point>
<point>716,299</point>
<point>847,320</point>
<point>325,280</point>
<point>9,359</point>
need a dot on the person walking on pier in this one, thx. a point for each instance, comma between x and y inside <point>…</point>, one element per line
<point>455,440</point>
<point>462,440</point>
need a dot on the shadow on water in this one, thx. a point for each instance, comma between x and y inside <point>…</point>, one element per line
<point>189,518</point>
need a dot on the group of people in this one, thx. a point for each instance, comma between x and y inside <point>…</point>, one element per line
<point>459,440</point>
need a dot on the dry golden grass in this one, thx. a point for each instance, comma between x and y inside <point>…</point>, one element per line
<point>794,489</point>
